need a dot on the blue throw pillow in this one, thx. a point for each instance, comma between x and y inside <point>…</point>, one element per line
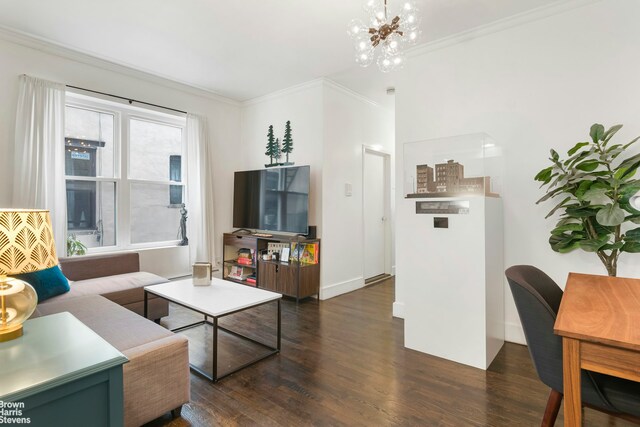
<point>47,283</point>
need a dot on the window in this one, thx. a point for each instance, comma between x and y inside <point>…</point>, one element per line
<point>175,175</point>
<point>120,192</point>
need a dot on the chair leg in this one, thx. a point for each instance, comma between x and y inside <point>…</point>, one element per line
<point>551,411</point>
<point>175,413</point>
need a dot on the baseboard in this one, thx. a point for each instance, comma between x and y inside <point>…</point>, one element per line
<point>398,310</point>
<point>336,289</point>
<point>513,333</point>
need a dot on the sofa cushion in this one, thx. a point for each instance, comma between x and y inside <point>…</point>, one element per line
<point>92,267</point>
<point>120,327</point>
<point>122,288</point>
<point>48,283</point>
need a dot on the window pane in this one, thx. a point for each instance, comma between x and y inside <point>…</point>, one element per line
<point>89,143</point>
<point>152,218</point>
<point>175,195</point>
<point>175,174</point>
<point>91,212</point>
<point>151,147</point>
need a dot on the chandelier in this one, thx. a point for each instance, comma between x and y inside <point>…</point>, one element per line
<point>388,33</point>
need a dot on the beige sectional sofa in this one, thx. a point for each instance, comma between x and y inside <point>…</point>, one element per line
<point>156,378</point>
<point>116,277</point>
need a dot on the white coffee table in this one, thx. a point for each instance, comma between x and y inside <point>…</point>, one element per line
<point>220,299</point>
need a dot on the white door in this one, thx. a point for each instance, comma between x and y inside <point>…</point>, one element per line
<point>374,215</point>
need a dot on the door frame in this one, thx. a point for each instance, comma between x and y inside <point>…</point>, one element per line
<point>386,156</point>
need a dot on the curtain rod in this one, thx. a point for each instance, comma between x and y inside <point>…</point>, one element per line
<point>131,101</point>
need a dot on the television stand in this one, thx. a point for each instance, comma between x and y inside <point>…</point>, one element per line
<point>298,278</point>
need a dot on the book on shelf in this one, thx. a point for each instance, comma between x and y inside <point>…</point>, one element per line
<point>306,253</point>
<point>239,273</point>
<point>246,256</point>
<point>245,261</point>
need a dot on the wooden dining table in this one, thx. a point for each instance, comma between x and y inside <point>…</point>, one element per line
<point>599,321</point>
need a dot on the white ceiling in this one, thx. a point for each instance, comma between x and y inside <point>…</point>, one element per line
<point>239,49</point>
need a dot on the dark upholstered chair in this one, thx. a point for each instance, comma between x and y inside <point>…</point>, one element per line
<point>537,299</point>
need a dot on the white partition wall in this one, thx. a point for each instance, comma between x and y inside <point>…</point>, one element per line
<point>450,249</point>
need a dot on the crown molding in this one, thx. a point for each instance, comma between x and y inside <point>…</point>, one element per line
<point>90,58</point>
<point>311,84</point>
<point>352,93</point>
<point>500,25</point>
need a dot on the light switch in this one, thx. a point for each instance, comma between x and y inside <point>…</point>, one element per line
<point>348,189</point>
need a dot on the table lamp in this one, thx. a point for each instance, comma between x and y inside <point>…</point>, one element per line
<point>26,245</point>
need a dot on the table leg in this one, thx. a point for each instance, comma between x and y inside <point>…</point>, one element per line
<point>279,324</point>
<point>146,304</point>
<point>215,349</point>
<point>571,381</point>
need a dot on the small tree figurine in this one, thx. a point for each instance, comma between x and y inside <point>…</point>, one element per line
<point>271,147</point>
<point>287,142</point>
<point>278,152</point>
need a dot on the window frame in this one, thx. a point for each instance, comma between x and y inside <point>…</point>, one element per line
<point>122,165</point>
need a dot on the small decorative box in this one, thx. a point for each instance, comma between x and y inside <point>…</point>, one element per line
<point>202,274</point>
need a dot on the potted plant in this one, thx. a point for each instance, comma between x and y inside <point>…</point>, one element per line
<point>596,187</point>
<point>75,246</point>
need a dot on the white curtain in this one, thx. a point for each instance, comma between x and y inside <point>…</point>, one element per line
<point>199,191</point>
<point>38,181</point>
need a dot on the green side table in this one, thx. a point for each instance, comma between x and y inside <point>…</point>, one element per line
<point>61,373</point>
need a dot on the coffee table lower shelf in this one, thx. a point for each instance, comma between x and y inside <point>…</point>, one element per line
<point>215,377</point>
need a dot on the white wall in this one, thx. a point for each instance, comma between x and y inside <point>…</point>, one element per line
<point>303,107</point>
<point>330,126</point>
<point>350,122</point>
<point>223,116</point>
<point>531,87</point>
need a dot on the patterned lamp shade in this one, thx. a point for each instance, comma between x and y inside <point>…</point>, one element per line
<point>26,241</point>
<point>26,245</point>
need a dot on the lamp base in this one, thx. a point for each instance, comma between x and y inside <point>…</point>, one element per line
<point>11,333</point>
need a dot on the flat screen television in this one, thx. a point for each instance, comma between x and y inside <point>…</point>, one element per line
<point>274,199</point>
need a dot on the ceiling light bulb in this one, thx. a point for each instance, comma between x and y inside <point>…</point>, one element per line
<point>386,62</point>
<point>411,19</point>
<point>408,6</point>
<point>413,35</point>
<point>393,44</point>
<point>397,61</point>
<point>355,27</point>
<point>380,16</point>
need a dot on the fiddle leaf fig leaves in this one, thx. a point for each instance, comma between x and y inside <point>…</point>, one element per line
<point>596,133</point>
<point>594,193</point>
<point>610,215</point>
<point>576,147</point>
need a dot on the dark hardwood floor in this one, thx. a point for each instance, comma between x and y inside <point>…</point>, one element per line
<point>343,363</point>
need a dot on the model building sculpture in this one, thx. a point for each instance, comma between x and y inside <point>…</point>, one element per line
<point>448,181</point>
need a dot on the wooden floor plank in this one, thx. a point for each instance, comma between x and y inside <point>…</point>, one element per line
<point>343,363</point>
